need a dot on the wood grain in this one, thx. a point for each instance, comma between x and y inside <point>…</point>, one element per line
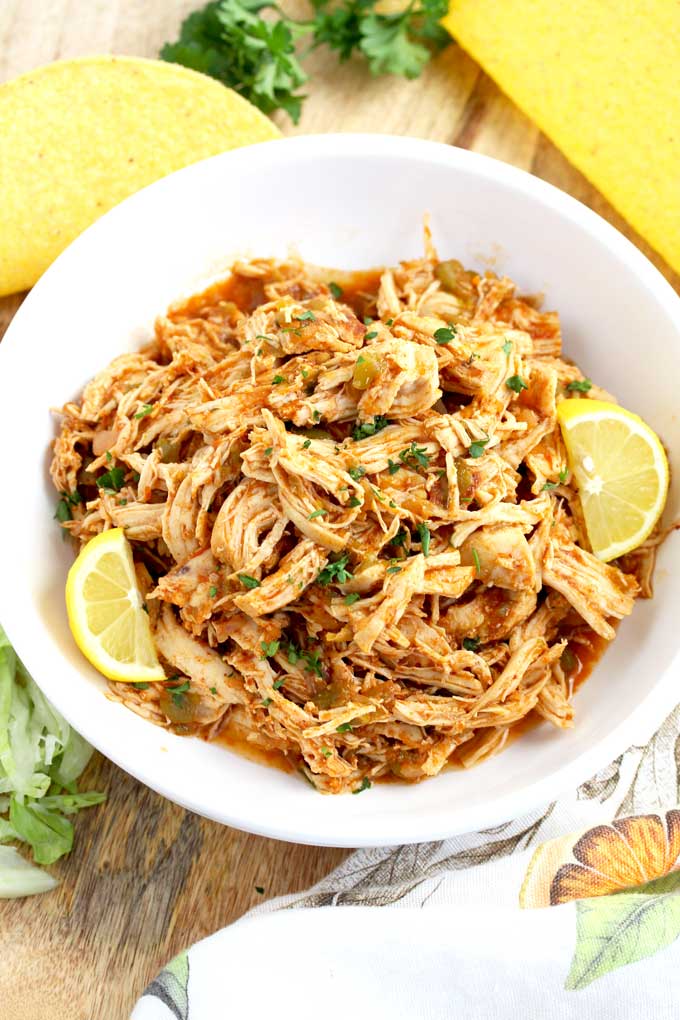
<point>147,878</point>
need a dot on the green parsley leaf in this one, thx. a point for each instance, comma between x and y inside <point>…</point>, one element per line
<point>278,379</point>
<point>316,416</point>
<point>306,316</point>
<point>62,511</point>
<point>563,475</point>
<point>370,336</point>
<point>248,582</point>
<point>146,409</point>
<point>389,322</point>
<point>369,428</point>
<point>343,727</point>
<point>213,690</point>
<point>178,691</point>
<point>313,660</point>
<point>478,565</point>
<point>507,347</point>
<point>141,685</point>
<point>579,386</point>
<point>393,570</point>
<point>415,456</point>
<point>445,335</point>
<point>269,648</point>
<point>317,513</point>
<point>279,683</point>
<point>326,752</point>
<point>476,448</point>
<point>549,486</point>
<point>212,591</point>
<point>365,785</point>
<point>350,599</point>
<point>400,538</point>
<point>112,481</point>
<point>516,383</point>
<point>266,702</point>
<point>367,320</point>
<point>392,466</point>
<point>109,458</point>
<point>424,535</point>
<point>268,451</point>
<point>354,502</point>
<point>307,443</point>
<point>357,472</point>
<point>471,644</point>
<point>335,571</point>
<point>335,290</point>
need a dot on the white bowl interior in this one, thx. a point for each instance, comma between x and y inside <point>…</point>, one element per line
<point>350,202</point>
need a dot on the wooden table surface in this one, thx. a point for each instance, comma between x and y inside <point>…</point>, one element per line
<point>147,878</point>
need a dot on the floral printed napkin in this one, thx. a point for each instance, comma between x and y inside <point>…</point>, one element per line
<point>470,933</point>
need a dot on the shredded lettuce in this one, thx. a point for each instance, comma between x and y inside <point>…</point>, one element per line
<point>41,757</point>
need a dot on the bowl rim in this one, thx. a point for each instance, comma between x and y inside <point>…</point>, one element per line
<point>435,823</point>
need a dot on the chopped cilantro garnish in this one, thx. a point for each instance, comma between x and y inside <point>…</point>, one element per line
<point>507,347</point>
<point>549,486</point>
<point>263,336</point>
<point>357,472</point>
<point>146,409</point>
<point>248,582</point>
<point>112,481</point>
<point>306,316</point>
<point>335,290</point>
<point>178,691</point>
<point>354,502</point>
<point>317,513</point>
<point>350,599</point>
<point>212,591</point>
<point>471,644</point>
<point>516,383</point>
<point>314,663</point>
<point>109,458</point>
<point>279,683</point>
<point>563,475</point>
<point>365,785</point>
<point>371,336</point>
<point>445,335</point>
<point>335,571</point>
<point>278,379</point>
<point>269,648</point>
<point>476,448</point>
<point>326,752</point>
<point>316,416</point>
<point>392,466</point>
<point>62,511</point>
<point>266,702</point>
<point>580,386</point>
<point>415,455</point>
<point>307,443</point>
<point>399,538</point>
<point>213,690</point>
<point>343,727</point>
<point>369,428</point>
<point>424,535</point>
<point>367,320</point>
<point>393,570</point>
<point>389,322</point>
<point>478,565</point>
<point>268,451</point>
<point>141,685</point>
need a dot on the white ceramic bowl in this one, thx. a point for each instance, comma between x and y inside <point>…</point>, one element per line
<point>344,201</point>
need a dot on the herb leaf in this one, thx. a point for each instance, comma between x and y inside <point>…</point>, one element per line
<point>415,456</point>
<point>335,571</point>
<point>369,428</point>
<point>336,290</point>
<point>249,582</point>
<point>516,383</point>
<point>424,535</point>
<point>112,480</point>
<point>471,644</point>
<point>445,335</point>
<point>476,449</point>
<point>579,386</point>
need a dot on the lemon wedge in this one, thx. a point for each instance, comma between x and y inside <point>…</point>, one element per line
<point>106,611</point>
<point>621,471</point>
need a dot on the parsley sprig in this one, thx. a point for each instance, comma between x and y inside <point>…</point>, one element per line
<point>258,56</point>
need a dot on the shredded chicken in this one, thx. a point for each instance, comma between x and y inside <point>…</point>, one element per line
<point>349,502</point>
